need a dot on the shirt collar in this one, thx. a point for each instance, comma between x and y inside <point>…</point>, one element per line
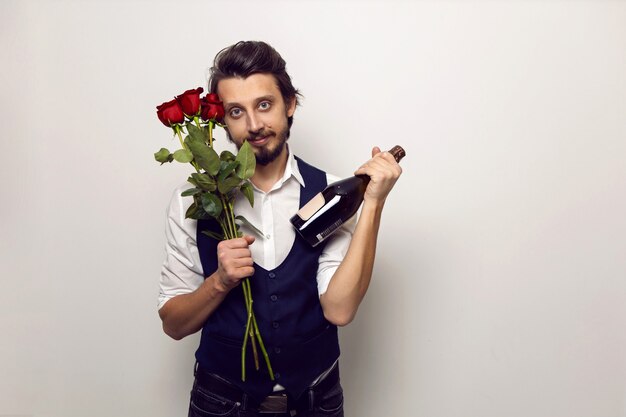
<point>292,169</point>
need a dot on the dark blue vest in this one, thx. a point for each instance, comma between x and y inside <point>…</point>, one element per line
<point>300,342</point>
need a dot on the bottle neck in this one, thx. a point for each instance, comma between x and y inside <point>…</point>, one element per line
<point>364,177</point>
<point>397,152</point>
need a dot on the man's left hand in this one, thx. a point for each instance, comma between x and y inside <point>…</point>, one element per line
<point>383,171</point>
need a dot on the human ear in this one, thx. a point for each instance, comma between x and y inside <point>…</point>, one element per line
<point>291,106</point>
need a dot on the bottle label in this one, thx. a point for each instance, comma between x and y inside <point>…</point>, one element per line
<point>311,207</point>
<point>329,230</point>
<point>323,210</point>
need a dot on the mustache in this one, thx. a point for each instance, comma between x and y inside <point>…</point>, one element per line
<point>260,134</point>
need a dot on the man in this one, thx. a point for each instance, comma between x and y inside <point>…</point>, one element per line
<point>300,293</point>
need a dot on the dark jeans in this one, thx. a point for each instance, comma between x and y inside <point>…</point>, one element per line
<point>207,404</point>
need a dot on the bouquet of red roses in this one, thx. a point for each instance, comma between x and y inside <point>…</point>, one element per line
<point>216,181</point>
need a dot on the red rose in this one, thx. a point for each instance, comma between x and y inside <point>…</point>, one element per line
<point>190,101</point>
<point>170,113</point>
<point>212,108</point>
<point>213,98</point>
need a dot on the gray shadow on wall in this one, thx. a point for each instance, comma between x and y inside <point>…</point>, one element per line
<point>376,335</point>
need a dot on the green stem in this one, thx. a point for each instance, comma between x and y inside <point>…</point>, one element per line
<point>229,227</point>
<point>225,230</point>
<point>232,218</point>
<point>211,133</point>
<point>182,143</point>
<point>260,339</point>
<point>255,353</point>
<point>180,137</point>
<point>247,295</point>
<point>245,336</point>
<point>228,208</point>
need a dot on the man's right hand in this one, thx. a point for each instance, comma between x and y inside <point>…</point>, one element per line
<point>185,314</point>
<point>234,262</point>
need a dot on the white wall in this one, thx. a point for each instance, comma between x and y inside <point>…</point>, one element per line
<point>499,286</point>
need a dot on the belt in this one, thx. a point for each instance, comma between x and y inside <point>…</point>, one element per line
<point>278,402</point>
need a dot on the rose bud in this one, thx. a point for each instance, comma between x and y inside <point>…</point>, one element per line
<point>210,110</point>
<point>170,113</point>
<point>190,101</point>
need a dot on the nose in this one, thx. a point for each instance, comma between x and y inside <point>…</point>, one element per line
<point>255,124</point>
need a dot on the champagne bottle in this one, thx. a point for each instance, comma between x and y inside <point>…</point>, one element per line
<point>328,210</point>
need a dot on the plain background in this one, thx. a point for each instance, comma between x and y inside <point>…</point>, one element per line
<point>500,280</point>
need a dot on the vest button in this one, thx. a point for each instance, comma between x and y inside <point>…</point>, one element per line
<point>275,324</point>
<point>273,297</point>
<point>272,275</point>
<point>277,350</point>
<point>277,375</point>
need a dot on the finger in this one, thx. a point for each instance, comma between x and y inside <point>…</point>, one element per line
<point>387,161</point>
<point>242,262</point>
<point>376,153</point>
<point>250,239</point>
<point>248,271</point>
<point>245,272</point>
<point>240,273</point>
<point>379,169</point>
<point>376,163</point>
<point>238,242</point>
<point>387,156</point>
<point>237,267</point>
<point>234,254</point>
<point>239,253</point>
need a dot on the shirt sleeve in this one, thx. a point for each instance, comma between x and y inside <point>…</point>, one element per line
<point>181,272</point>
<point>335,249</point>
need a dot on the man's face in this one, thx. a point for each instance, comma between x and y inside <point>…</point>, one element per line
<point>256,112</point>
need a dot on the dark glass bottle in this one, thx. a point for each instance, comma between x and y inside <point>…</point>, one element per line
<point>328,210</point>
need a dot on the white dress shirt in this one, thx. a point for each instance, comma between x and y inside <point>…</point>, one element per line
<point>182,271</point>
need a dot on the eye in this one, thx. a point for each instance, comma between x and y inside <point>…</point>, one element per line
<point>264,105</point>
<point>235,113</point>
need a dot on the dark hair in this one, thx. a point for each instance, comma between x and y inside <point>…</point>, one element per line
<point>253,57</point>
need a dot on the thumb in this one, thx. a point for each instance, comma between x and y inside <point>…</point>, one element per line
<point>375,151</point>
<point>249,239</point>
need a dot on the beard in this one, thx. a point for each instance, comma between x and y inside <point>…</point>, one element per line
<point>265,155</point>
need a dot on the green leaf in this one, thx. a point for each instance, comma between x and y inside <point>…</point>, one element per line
<point>227,156</point>
<point>226,185</point>
<point>197,133</point>
<point>211,204</point>
<point>162,156</point>
<point>213,235</point>
<point>247,161</point>
<point>204,155</point>
<point>191,191</point>
<point>246,189</point>
<point>192,211</point>
<point>226,168</point>
<point>183,155</point>
<point>204,181</point>
<point>193,181</point>
<point>245,222</point>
